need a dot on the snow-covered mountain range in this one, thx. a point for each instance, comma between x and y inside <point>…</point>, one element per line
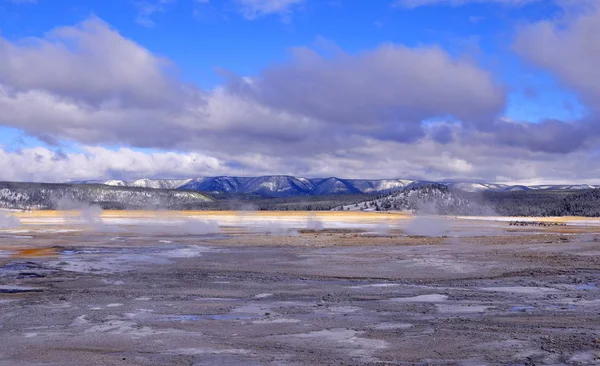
<point>290,186</point>
<point>269,186</point>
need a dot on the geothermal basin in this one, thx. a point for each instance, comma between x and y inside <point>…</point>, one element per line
<point>296,288</point>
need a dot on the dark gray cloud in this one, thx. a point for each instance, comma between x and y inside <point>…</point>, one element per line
<point>387,91</point>
<point>442,133</point>
<point>549,136</point>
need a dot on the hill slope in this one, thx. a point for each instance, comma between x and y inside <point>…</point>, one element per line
<point>440,199</point>
<point>430,198</point>
<point>52,196</point>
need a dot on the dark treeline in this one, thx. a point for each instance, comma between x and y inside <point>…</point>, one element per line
<point>537,203</point>
<point>583,204</point>
<point>545,203</point>
<point>254,202</point>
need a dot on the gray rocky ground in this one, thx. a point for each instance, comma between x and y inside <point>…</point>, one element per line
<point>326,297</point>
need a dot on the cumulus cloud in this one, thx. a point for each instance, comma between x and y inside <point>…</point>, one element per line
<point>567,47</point>
<point>350,115</point>
<point>43,164</point>
<point>386,92</point>
<point>92,62</point>
<point>89,84</point>
<point>570,48</point>
<point>75,84</point>
<point>410,4</point>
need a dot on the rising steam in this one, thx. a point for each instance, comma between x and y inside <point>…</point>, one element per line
<point>91,215</point>
<point>188,226</point>
<point>313,223</point>
<point>8,221</point>
<point>427,226</point>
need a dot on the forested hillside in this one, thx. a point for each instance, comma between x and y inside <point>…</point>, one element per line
<point>585,203</point>
<point>31,196</point>
<point>440,199</point>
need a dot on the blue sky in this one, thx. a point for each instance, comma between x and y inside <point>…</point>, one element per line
<point>208,45</point>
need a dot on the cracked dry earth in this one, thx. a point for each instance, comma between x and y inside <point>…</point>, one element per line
<point>321,298</point>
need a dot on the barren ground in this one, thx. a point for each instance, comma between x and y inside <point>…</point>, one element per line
<point>143,288</point>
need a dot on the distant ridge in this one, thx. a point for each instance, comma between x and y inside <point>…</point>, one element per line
<point>439,199</point>
<point>49,196</point>
<point>292,186</point>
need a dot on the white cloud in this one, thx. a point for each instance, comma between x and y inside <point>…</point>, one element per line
<point>410,4</point>
<point>424,160</point>
<point>570,48</point>
<point>252,9</point>
<point>89,61</point>
<point>350,115</point>
<point>89,84</point>
<point>42,164</point>
<point>147,8</point>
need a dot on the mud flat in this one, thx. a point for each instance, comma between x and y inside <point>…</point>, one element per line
<point>155,289</point>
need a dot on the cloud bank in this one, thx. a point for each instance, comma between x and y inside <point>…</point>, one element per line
<point>389,111</point>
